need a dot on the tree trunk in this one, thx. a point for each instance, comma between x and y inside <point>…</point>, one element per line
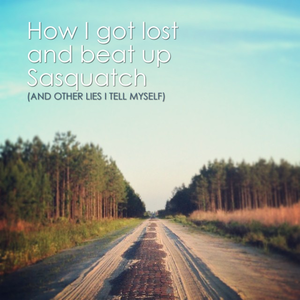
<point>57,204</point>
<point>63,197</point>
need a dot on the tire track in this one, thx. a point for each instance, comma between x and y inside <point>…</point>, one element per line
<point>192,278</point>
<point>90,282</point>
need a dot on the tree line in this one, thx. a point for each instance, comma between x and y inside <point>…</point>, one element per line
<point>227,186</point>
<point>40,181</point>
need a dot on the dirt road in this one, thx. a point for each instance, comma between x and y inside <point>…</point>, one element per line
<point>157,260</point>
<point>162,260</point>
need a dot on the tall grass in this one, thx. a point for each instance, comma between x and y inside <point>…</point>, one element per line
<point>271,228</point>
<point>267,216</point>
<point>22,244</point>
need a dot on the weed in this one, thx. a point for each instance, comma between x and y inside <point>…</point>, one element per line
<point>267,228</point>
<point>20,248</point>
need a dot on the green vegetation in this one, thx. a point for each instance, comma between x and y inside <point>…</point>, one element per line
<point>57,196</point>
<point>21,248</point>
<point>182,219</point>
<point>227,186</point>
<point>284,238</point>
<point>40,182</point>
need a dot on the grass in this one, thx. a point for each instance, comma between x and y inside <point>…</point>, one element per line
<point>24,244</point>
<point>275,229</point>
<point>266,216</point>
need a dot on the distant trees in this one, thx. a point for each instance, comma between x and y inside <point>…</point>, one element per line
<point>135,206</point>
<point>225,186</point>
<point>70,180</point>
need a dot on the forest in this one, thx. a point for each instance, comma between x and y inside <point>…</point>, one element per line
<point>227,186</point>
<point>65,180</point>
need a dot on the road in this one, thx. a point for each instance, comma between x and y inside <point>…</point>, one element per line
<point>163,260</point>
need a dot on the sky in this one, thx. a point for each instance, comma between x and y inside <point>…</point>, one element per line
<point>231,85</point>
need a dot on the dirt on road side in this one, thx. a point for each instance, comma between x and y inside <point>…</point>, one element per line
<point>95,278</point>
<point>247,270</point>
<point>192,278</point>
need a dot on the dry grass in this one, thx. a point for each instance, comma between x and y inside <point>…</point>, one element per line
<point>19,226</point>
<point>266,216</point>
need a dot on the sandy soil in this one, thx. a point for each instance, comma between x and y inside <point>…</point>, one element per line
<point>192,278</point>
<point>91,281</point>
<point>45,279</point>
<point>159,260</point>
<point>248,271</point>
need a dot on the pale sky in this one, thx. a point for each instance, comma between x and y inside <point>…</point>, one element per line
<point>232,84</point>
